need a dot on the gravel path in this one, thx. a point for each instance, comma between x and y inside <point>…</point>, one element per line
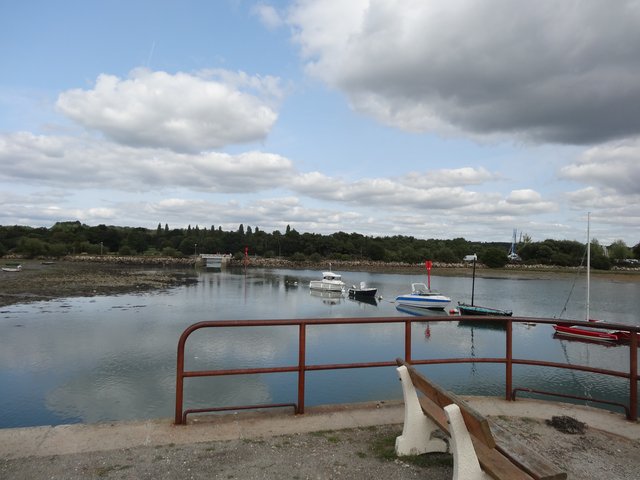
<point>359,453</point>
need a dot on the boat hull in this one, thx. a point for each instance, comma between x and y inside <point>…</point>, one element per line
<point>586,333</point>
<point>431,302</point>
<point>362,292</point>
<point>326,286</point>
<point>477,310</point>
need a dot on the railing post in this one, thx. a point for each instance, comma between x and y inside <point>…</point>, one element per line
<point>179,381</point>
<point>407,341</point>
<point>302,347</point>
<point>509,361</point>
<point>633,377</point>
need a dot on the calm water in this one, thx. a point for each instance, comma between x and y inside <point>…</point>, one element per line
<point>113,358</point>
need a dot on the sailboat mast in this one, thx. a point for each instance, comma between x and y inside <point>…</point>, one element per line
<point>473,283</point>
<point>588,263</point>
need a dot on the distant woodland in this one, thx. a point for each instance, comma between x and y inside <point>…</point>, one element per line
<point>66,238</point>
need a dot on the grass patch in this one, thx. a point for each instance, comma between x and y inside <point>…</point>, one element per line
<point>253,441</point>
<point>104,471</point>
<point>330,435</point>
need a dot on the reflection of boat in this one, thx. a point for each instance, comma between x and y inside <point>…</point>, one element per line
<point>466,309</point>
<point>483,322</point>
<point>370,300</point>
<point>12,268</point>
<point>421,312</point>
<point>423,297</point>
<point>329,297</point>
<point>330,282</point>
<point>363,291</point>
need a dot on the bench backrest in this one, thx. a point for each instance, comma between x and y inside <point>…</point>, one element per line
<point>476,424</point>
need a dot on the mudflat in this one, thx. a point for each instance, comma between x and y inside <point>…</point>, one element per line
<point>45,281</point>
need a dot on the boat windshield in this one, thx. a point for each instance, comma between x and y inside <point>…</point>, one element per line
<point>419,289</point>
<point>331,276</point>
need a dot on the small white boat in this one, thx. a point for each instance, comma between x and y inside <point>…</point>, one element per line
<point>12,268</point>
<point>331,282</point>
<point>423,297</point>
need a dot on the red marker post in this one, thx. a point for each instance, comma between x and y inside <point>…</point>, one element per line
<point>428,264</point>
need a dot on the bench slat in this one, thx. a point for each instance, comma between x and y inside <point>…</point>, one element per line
<point>530,461</point>
<point>496,464</point>
<point>491,461</point>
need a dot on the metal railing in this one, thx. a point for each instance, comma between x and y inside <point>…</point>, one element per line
<point>301,367</point>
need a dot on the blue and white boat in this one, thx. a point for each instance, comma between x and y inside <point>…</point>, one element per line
<point>423,297</point>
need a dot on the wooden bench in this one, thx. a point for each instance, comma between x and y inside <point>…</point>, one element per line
<point>480,450</point>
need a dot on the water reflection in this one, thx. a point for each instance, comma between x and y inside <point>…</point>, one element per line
<point>328,297</point>
<point>111,358</point>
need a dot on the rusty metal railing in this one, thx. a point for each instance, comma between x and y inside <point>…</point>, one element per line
<point>301,368</point>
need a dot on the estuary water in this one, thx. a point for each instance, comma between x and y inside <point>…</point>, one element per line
<point>107,358</point>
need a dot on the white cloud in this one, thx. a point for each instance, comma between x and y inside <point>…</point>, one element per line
<point>416,190</point>
<point>611,166</point>
<point>182,112</point>
<point>268,16</point>
<point>88,163</point>
<point>545,71</point>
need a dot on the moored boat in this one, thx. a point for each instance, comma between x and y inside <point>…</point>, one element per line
<point>585,332</point>
<point>362,291</point>
<point>331,282</point>
<point>423,297</point>
<point>12,268</point>
<point>576,331</point>
<point>466,309</point>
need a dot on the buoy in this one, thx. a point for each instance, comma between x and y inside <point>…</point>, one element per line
<point>453,311</point>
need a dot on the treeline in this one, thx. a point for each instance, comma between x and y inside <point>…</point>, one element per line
<point>66,238</point>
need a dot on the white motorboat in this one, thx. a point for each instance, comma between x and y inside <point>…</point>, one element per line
<point>12,268</point>
<point>331,282</point>
<point>423,297</point>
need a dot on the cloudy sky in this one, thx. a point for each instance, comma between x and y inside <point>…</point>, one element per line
<point>437,119</point>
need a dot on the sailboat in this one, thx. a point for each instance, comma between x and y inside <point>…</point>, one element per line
<point>581,332</point>
<point>466,309</point>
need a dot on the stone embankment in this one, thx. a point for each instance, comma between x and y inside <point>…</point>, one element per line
<point>132,260</point>
<point>344,265</point>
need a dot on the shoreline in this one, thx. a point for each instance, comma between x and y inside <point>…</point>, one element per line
<point>84,276</point>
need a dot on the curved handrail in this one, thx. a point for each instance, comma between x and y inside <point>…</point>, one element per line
<point>301,368</point>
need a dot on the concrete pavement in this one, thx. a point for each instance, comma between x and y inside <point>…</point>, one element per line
<point>81,438</point>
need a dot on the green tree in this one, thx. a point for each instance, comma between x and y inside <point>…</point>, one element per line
<point>618,250</point>
<point>494,258</point>
<point>32,247</point>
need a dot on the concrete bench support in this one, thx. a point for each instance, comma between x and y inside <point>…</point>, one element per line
<point>465,462</point>
<point>417,433</point>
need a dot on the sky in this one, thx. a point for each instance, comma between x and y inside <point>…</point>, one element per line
<point>439,119</point>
